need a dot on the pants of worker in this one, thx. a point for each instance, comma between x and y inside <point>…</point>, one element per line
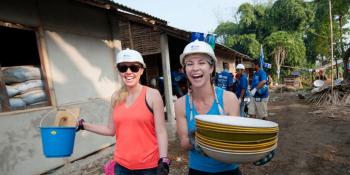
<point>258,107</point>
<point>242,107</point>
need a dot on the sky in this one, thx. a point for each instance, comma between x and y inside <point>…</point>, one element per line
<point>190,15</point>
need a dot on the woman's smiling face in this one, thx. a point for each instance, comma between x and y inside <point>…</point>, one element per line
<point>198,68</point>
<point>130,72</point>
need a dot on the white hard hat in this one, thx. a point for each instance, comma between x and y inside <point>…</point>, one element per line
<point>129,55</point>
<point>240,66</point>
<point>197,47</point>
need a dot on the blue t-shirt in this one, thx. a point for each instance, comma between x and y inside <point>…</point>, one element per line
<point>242,83</point>
<point>258,77</point>
<point>224,80</point>
<point>196,160</point>
<point>176,77</point>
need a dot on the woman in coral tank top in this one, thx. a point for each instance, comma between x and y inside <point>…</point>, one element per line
<point>136,121</point>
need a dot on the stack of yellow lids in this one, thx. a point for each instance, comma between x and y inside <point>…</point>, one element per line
<point>235,139</point>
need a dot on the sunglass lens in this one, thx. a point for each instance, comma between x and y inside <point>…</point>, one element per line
<point>122,68</point>
<point>134,68</point>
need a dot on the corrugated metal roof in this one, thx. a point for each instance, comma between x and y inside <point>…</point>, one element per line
<point>108,4</point>
<point>111,4</point>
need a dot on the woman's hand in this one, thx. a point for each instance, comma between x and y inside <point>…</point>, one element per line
<point>163,166</point>
<point>80,125</point>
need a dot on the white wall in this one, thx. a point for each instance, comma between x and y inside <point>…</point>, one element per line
<point>81,64</point>
<point>81,67</point>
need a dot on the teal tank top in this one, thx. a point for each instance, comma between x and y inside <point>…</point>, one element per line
<point>196,160</point>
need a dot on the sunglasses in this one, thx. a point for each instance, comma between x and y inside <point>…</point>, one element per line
<point>123,68</point>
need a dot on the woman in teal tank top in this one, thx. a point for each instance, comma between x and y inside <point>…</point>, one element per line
<point>198,60</point>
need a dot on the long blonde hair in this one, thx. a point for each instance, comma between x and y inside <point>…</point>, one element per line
<point>119,96</point>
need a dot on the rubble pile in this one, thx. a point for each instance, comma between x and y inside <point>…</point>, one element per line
<point>340,95</point>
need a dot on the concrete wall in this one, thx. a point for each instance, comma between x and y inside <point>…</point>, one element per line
<point>81,64</point>
<point>230,61</point>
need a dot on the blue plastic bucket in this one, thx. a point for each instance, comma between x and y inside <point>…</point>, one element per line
<point>197,36</point>
<point>210,39</point>
<point>57,141</point>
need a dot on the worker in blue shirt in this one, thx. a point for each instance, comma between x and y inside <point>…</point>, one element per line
<point>257,108</point>
<point>241,89</point>
<point>178,76</point>
<point>224,79</point>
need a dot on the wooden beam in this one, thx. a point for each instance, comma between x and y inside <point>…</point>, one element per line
<point>130,36</point>
<point>4,98</point>
<point>45,67</point>
<point>44,59</point>
<point>167,77</point>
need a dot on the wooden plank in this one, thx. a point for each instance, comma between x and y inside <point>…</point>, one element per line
<point>4,98</point>
<point>130,36</point>
<point>45,66</point>
<point>67,117</point>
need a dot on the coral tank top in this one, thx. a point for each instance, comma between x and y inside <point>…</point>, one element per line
<point>136,140</point>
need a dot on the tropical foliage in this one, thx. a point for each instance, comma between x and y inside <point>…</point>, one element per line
<point>292,32</point>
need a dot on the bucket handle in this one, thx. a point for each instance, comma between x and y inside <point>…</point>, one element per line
<point>58,109</point>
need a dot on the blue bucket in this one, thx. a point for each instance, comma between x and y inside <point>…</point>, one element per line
<point>57,141</point>
<point>210,39</point>
<point>197,36</point>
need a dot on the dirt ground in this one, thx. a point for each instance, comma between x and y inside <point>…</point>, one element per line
<point>312,140</point>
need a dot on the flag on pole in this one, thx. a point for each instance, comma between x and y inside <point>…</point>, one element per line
<point>261,58</point>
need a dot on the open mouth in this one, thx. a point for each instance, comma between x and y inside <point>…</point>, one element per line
<point>196,77</point>
<point>129,78</point>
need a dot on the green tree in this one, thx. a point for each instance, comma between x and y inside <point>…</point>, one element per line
<point>290,15</point>
<point>285,48</point>
<point>245,44</point>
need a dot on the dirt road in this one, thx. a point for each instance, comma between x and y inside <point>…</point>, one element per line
<point>312,140</point>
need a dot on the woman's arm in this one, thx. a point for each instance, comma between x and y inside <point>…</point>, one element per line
<point>181,123</point>
<point>155,98</point>
<point>106,130</point>
<point>231,105</point>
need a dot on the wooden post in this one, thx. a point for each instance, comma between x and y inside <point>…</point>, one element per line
<point>130,36</point>
<point>4,98</point>
<point>167,77</point>
<point>44,59</point>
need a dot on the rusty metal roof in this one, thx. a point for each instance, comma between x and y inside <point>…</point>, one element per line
<point>109,4</point>
<point>179,33</point>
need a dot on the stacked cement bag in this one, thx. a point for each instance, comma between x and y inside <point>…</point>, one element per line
<point>24,86</point>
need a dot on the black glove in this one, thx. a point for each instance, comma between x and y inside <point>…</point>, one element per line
<point>80,125</point>
<point>266,159</point>
<point>163,166</point>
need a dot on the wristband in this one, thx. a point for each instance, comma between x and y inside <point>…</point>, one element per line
<point>165,160</point>
<point>81,124</point>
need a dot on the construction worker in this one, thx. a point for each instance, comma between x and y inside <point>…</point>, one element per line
<point>257,107</point>
<point>241,89</point>
<point>224,79</point>
<point>199,61</point>
<point>136,118</point>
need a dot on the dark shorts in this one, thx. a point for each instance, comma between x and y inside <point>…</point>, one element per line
<point>232,172</point>
<point>120,170</point>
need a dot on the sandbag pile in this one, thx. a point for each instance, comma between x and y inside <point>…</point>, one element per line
<point>24,86</point>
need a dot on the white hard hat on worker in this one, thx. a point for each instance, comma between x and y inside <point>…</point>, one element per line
<point>240,66</point>
<point>196,47</point>
<point>129,55</point>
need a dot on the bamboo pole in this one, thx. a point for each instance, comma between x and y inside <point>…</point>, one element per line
<point>331,30</point>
